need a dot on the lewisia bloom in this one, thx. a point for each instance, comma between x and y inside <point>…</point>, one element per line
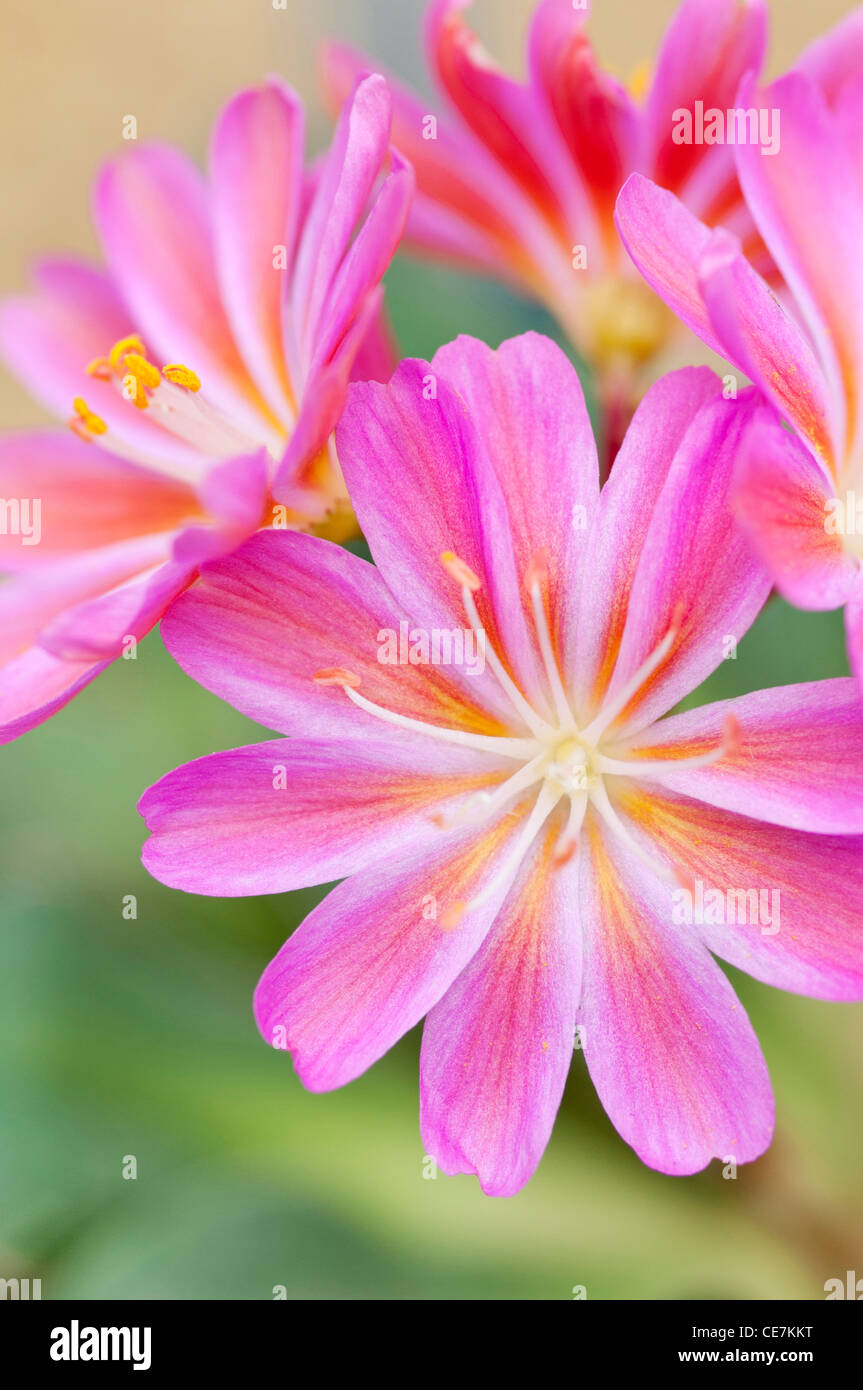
<point>201,374</point>
<point>519,837</point>
<point>800,496</point>
<point>521,181</point>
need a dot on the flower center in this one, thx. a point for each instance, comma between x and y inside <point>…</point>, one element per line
<point>558,760</point>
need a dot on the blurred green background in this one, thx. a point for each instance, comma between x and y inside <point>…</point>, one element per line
<point>135,1037</point>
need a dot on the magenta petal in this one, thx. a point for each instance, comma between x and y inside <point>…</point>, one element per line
<point>497,1049</point>
<point>261,622</point>
<point>36,685</point>
<point>785,502</point>
<point>154,219</point>
<point>783,905</point>
<point>697,575</point>
<point>257,173</point>
<point>287,814</point>
<point>669,1047</point>
<point>797,759</point>
<point>377,954</point>
<point>626,505</point>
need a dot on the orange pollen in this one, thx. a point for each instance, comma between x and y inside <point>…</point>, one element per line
<point>122,346</point>
<point>460,572</point>
<point>181,376</point>
<point>101,368</point>
<point>537,571</point>
<point>134,391</point>
<point>336,675</point>
<point>146,373</point>
<point>84,423</point>
<point>733,736</point>
<point>564,854</point>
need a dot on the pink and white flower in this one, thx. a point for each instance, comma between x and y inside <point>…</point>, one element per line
<point>797,494</point>
<point>257,291</point>
<point>511,839</point>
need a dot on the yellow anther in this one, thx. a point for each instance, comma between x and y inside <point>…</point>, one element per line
<point>134,391</point>
<point>460,572</point>
<point>94,423</point>
<point>182,376</point>
<point>146,372</point>
<point>100,367</point>
<point>131,344</point>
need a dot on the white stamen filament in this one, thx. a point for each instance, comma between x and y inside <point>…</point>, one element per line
<point>564,713</point>
<point>618,704</point>
<point>520,704</point>
<point>542,808</point>
<point>519,748</point>
<point>487,803</point>
<point>599,799</point>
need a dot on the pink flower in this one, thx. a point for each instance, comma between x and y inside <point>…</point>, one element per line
<point>259,293</point>
<point>516,834</point>
<point>797,497</point>
<point>521,181</point>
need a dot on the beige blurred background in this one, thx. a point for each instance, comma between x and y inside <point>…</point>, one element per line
<point>70,73</point>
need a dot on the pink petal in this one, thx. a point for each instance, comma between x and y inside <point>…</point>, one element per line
<point>708,48</point>
<point>786,503</point>
<point>759,336</point>
<point>154,219</point>
<point>35,686</point>
<point>48,339</point>
<point>377,954</point>
<point>802,930</point>
<point>510,119</point>
<point>797,758</point>
<point>696,574</point>
<point>287,814</point>
<point>835,57</point>
<point>256,165</point>
<point>259,624</point>
<point>346,180</point>
<point>87,497</point>
<point>598,118</point>
<point>819,258</point>
<point>669,1048</point>
<point>497,1048</point>
<point>422,484</point>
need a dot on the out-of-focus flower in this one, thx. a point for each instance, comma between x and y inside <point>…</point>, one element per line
<point>800,496</point>
<point>517,833</point>
<point>521,181</point>
<point>202,374</point>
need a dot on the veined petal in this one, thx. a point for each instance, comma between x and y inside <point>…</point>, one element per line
<point>787,505</point>
<point>154,220</point>
<point>708,47</point>
<point>781,904</point>
<point>49,337</point>
<point>697,576</point>
<point>819,258</point>
<point>86,497</point>
<point>288,813</point>
<point>623,520</point>
<point>422,484</point>
<point>763,340</point>
<point>378,953</point>
<point>256,165</point>
<point>345,181</point>
<point>797,759</point>
<point>597,117</point>
<point>35,685</point>
<point>260,624</point>
<point>467,204</point>
<point>527,404</point>
<point>666,243</point>
<point>669,1047</point>
<point>497,1048</point>
<point>509,118</point>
